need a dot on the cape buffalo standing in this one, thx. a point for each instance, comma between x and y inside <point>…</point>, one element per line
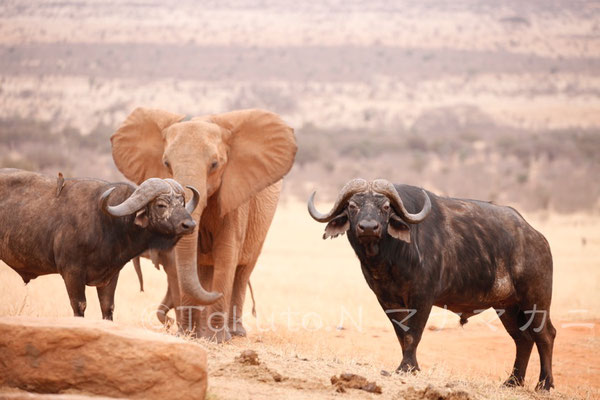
<point>86,229</point>
<point>465,255</point>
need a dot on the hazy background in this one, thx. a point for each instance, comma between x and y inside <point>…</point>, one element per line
<point>483,99</point>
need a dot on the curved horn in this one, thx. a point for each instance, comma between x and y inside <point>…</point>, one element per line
<point>104,199</point>
<point>145,193</point>
<point>351,188</point>
<point>386,188</point>
<point>191,206</point>
<point>175,185</point>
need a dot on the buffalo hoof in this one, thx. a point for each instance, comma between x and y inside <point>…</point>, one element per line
<point>513,381</point>
<point>546,384</point>
<point>406,367</point>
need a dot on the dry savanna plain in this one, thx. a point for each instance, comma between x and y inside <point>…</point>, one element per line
<point>480,99</point>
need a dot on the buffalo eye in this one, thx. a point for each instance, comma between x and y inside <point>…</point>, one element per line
<point>386,207</point>
<point>352,206</point>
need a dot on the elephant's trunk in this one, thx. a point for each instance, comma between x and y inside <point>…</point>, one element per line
<point>192,294</point>
<point>187,272</point>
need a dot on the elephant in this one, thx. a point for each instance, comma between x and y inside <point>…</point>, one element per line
<point>237,161</point>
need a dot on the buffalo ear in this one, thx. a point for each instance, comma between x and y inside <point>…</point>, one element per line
<point>138,144</point>
<point>262,148</point>
<point>141,218</point>
<point>337,226</point>
<point>398,229</point>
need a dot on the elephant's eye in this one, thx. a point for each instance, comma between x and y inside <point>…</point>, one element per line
<point>166,163</point>
<point>214,165</point>
<point>161,205</point>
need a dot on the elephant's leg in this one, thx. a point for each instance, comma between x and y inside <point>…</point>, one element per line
<point>238,296</point>
<point>226,253</point>
<point>171,299</point>
<point>205,275</point>
<point>217,315</point>
<point>163,309</point>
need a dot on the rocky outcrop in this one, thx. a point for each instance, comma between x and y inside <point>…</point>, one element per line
<point>98,357</point>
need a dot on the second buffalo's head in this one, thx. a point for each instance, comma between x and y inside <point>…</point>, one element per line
<point>158,205</point>
<point>370,210</point>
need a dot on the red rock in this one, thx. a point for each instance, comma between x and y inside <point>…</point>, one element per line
<point>98,357</point>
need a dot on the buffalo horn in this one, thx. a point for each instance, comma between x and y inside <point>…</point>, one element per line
<point>351,188</point>
<point>386,188</point>
<point>145,193</point>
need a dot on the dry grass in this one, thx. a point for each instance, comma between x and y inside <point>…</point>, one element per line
<point>318,286</point>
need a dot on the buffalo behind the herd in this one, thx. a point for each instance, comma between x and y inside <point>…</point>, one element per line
<point>417,250</point>
<point>86,230</point>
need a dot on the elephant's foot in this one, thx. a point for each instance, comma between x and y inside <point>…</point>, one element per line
<point>237,329</point>
<point>215,331</point>
<point>219,336</point>
<point>161,314</point>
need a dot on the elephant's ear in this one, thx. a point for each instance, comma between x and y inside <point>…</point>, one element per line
<point>138,144</point>
<point>261,151</point>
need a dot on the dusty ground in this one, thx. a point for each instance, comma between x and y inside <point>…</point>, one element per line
<point>307,288</point>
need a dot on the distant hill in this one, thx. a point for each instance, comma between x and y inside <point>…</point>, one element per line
<point>481,99</point>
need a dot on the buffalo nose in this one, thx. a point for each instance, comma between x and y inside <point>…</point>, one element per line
<point>368,226</point>
<point>188,225</point>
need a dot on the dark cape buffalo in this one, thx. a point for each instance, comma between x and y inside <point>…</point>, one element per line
<point>87,229</point>
<point>418,250</point>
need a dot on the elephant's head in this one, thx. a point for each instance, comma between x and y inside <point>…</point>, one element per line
<point>228,157</point>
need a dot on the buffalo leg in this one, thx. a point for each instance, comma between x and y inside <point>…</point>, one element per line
<point>513,319</point>
<point>543,333</point>
<point>536,307</point>
<point>545,345</point>
<point>75,284</point>
<point>409,323</point>
<point>544,341</point>
<point>106,295</point>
